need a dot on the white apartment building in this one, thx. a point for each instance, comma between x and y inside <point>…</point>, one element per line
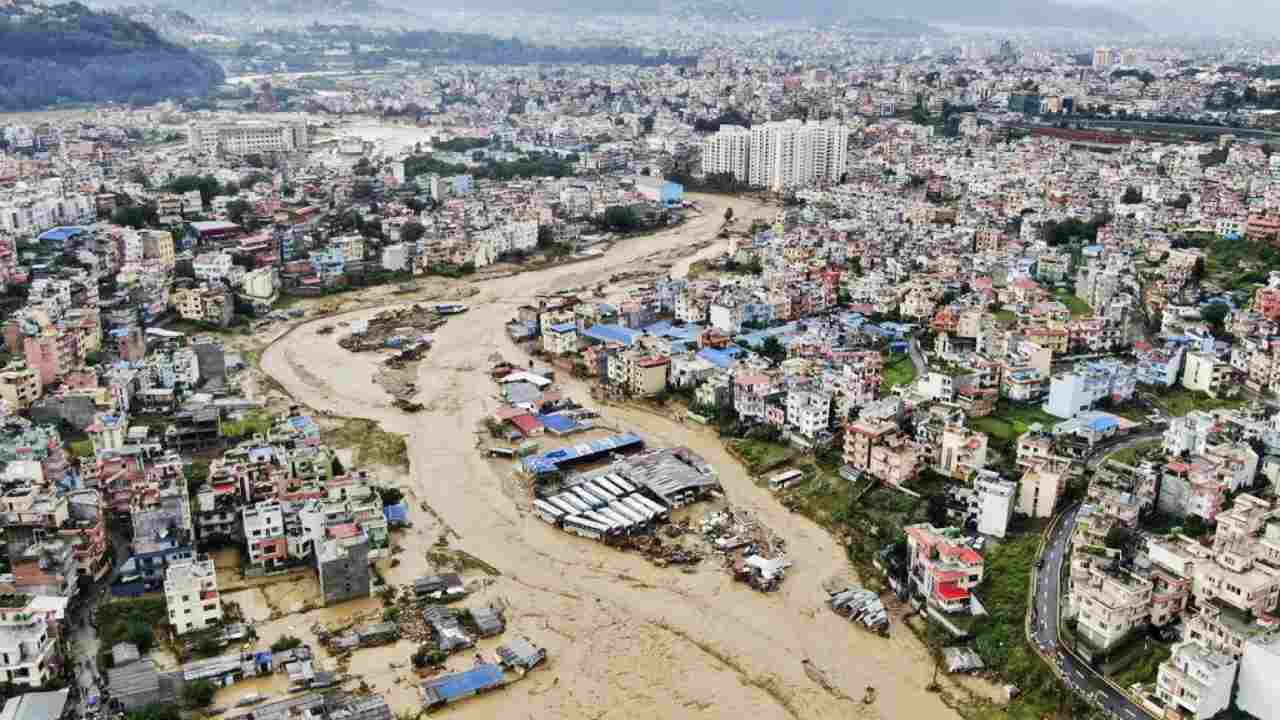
<point>264,534</point>
<point>28,645</point>
<point>808,412</point>
<point>1259,693</point>
<point>247,138</point>
<point>995,504</point>
<point>791,153</point>
<point>1196,680</point>
<point>727,152</point>
<point>215,267</point>
<point>191,595</point>
<point>1111,605</point>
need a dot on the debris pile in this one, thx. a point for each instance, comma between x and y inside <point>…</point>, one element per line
<point>730,530</point>
<point>400,328</point>
<point>661,553</point>
<point>860,605</point>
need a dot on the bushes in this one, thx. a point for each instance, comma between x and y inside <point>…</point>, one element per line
<point>427,656</point>
<point>199,693</point>
<point>286,642</point>
<point>131,621</point>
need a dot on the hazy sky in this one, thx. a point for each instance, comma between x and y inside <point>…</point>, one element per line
<point>1260,15</point>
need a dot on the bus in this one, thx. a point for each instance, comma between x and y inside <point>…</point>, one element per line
<point>621,522</point>
<point>563,505</point>
<point>547,512</point>
<point>622,483</point>
<point>627,511</point>
<point>579,505</point>
<point>645,511</point>
<point>611,486</point>
<point>582,527</point>
<point>595,517</point>
<point>784,479</point>
<point>660,511</point>
<point>600,491</point>
<point>586,497</point>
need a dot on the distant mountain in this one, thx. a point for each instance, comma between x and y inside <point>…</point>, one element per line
<point>993,13</point>
<point>68,53</point>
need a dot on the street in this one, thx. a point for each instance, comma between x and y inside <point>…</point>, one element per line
<point>1079,676</point>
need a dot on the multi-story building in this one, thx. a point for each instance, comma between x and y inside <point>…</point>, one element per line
<point>1041,486</point>
<point>1111,604</point>
<point>20,386</point>
<point>1259,693</point>
<point>29,655</point>
<point>247,138</point>
<point>1204,372</point>
<point>808,412</point>
<point>191,595</point>
<point>995,503</point>
<point>1197,680</point>
<point>1090,383</point>
<point>264,534</point>
<point>962,452</point>
<point>941,567</point>
<point>791,153</point>
<point>727,152</point>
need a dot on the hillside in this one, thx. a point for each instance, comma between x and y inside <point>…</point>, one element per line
<point>71,54</point>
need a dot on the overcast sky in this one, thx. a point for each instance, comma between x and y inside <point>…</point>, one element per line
<point>1261,15</point>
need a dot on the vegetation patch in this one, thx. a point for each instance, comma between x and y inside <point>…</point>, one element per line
<point>899,370</point>
<point>370,444</point>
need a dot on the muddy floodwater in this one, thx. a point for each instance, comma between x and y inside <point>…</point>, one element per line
<point>625,639</point>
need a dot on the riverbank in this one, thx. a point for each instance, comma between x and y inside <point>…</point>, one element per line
<point>623,636</point>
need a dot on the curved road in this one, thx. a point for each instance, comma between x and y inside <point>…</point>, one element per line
<point>624,638</point>
<point>1077,674</point>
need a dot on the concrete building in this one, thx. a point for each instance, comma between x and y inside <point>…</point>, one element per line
<point>1259,693</point>
<point>20,386</point>
<point>793,154</point>
<point>1040,489</point>
<point>942,568</point>
<point>1196,680</point>
<point>247,138</point>
<point>28,643</point>
<point>1090,383</point>
<point>191,595</point>
<point>1204,372</point>
<point>727,152</point>
<point>995,503</point>
<point>1111,606</point>
<point>342,564</point>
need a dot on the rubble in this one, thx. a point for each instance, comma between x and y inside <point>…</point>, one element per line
<point>398,328</point>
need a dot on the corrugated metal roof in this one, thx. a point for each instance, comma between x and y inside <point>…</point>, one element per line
<point>459,685</point>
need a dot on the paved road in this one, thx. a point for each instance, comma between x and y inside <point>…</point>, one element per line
<point>917,357</point>
<point>1078,676</point>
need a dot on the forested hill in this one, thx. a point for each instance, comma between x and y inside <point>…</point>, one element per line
<point>70,54</point>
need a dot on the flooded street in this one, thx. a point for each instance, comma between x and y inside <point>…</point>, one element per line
<point>624,638</point>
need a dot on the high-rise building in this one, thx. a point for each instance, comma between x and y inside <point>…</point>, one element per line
<point>726,152</point>
<point>1102,57</point>
<point>792,153</point>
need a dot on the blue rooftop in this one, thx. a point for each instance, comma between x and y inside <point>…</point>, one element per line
<point>612,334</point>
<point>398,513</point>
<point>467,682</point>
<point>563,327</point>
<point>551,460</point>
<point>558,423</point>
<point>1103,423</point>
<point>720,358</point>
<point>62,234</point>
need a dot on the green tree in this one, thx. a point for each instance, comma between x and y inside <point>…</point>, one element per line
<point>1132,196</point>
<point>620,218</point>
<point>1216,316</point>
<point>412,231</point>
<point>238,210</point>
<point>286,642</point>
<point>135,216</point>
<point>199,693</point>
